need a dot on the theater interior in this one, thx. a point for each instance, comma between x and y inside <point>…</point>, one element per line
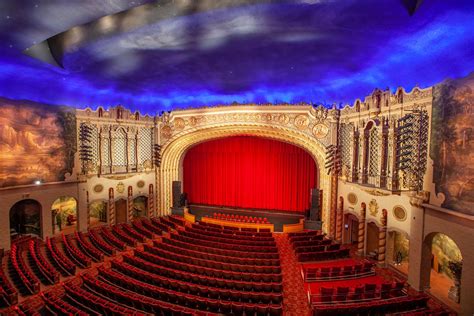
<point>237,157</point>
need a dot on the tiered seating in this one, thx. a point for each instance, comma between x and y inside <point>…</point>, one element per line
<point>338,271</point>
<point>97,241</point>
<point>112,240</point>
<point>228,230</point>
<point>240,218</point>
<point>58,305</point>
<point>129,231</point>
<point>178,221</point>
<point>26,281</point>
<point>376,307</point>
<point>312,246</point>
<point>140,228</point>
<point>156,227</point>
<point>62,263</point>
<point>8,294</point>
<point>45,270</point>
<point>87,248</point>
<point>75,253</point>
<point>124,237</point>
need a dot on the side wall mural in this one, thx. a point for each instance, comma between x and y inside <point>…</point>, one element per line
<point>452,143</point>
<point>37,142</point>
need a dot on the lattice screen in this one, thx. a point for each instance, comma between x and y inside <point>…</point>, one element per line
<point>145,144</point>
<point>119,151</point>
<point>374,145</point>
<point>346,144</point>
<point>105,152</point>
<point>132,147</point>
<point>94,143</point>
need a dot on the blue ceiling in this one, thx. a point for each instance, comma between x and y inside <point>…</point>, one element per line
<point>198,52</point>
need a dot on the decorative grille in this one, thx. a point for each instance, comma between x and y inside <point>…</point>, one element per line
<point>374,145</point>
<point>120,148</point>
<point>346,144</point>
<point>132,147</point>
<point>145,145</point>
<point>105,152</point>
<point>94,143</point>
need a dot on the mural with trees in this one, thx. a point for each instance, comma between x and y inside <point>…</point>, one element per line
<point>452,142</point>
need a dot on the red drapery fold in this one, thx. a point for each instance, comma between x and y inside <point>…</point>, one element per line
<point>249,172</point>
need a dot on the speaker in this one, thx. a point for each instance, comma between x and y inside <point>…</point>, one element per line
<point>314,211</point>
<point>176,193</point>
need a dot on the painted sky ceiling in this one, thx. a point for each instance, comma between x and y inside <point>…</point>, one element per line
<point>186,53</point>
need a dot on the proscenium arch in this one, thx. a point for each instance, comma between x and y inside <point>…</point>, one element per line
<point>173,153</point>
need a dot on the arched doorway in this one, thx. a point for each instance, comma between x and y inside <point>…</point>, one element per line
<point>140,206</point>
<point>351,229</point>
<point>398,246</point>
<point>372,245</point>
<point>25,218</point>
<point>445,268</point>
<point>97,213</point>
<point>121,211</point>
<point>64,215</point>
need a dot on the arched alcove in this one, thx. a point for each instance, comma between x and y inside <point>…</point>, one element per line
<point>140,206</point>
<point>121,214</point>
<point>350,229</point>
<point>25,218</point>
<point>64,215</point>
<point>97,213</point>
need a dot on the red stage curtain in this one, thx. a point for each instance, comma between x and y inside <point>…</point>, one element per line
<point>249,172</point>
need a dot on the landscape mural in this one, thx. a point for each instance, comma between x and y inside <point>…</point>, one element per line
<point>452,145</point>
<point>37,142</point>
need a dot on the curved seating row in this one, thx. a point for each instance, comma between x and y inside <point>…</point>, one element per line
<point>131,262</point>
<point>231,230</point>
<point>226,244</point>
<point>8,294</point>
<point>323,255</point>
<point>127,229</point>
<point>187,243</point>
<point>87,248</point>
<point>138,226</point>
<point>311,237</point>
<point>65,265</point>
<point>58,305</point>
<point>308,243</point>
<point>22,272</point>
<point>208,271</point>
<point>377,307</point>
<point>317,248</point>
<point>43,266</point>
<point>212,264</point>
<point>355,270</point>
<point>113,240</point>
<point>240,218</point>
<point>214,257</point>
<point>230,240</point>
<point>120,234</point>
<point>155,227</point>
<point>99,242</point>
<point>155,283</point>
<point>230,235</point>
<point>74,253</point>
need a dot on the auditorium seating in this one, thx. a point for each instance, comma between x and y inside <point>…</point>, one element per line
<point>8,294</point>
<point>75,253</point>
<point>112,240</point>
<point>313,246</point>
<point>87,248</point>
<point>353,270</point>
<point>100,243</point>
<point>240,218</point>
<point>64,265</point>
<point>44,270</point>
<point>24,279</point>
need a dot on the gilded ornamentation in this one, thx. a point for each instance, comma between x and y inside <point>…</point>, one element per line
<point>320,130</point>
<point>352,198</point>
<point>321,113</point>
<point>283,119</point>
<point>90,167</point>
<point>179,124</point>
<point>376,192</point>
<point>98,188</point>
<point>166,131</point>
<point>140,183</point>
<point>193,121</point>
<point>301,122</point>
<point>120,187</point>
<point>373,207</point>
<point>399,213</point>
<point>147,164</point>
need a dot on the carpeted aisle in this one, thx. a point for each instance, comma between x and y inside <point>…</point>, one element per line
<point>295,300</point>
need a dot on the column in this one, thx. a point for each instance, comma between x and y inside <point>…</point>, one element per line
<point>111,207</point>
<point>151,201</point>
<point>355,156</point>
<point>130,203</point>
<point>382,238</point>
<point>88,210</point>
<point>365,156</point>
<point>333,206</point>
<point>339,219</point>
<point>361,233</point>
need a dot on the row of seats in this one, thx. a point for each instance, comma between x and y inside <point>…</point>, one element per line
<point>359,269</point>
<point>47,271</point>
<point>75,253</point>
<point>64,265</point>
<point>376,307</point>
<point>21,272</point>
<point>100,243</point>
<point>363,292</point>
<point>309,237</point>
<point>323,255</point>
<point>87,248</point>
<point>155,227</point>
<point>8,294</point>
<point>318,248</point>
<point>212,272</point>
<point>215,257</point>
<point>112,240</point>
<point>212,264</point>
<point>196,229</point>
<point>230,240</point>
<point>309,243</point>
<point>240,218</point>
<point>140,228</point>
<point>227,244</point>
<point>233,232</point>
<point>131,232</point>
<point>185,242</point>
<point>131,262</point>
<point>58,305</point>
<point>120,234</point>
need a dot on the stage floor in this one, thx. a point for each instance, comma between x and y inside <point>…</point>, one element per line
<point>275,217</point>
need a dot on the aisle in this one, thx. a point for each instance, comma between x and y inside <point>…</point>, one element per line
<point>295,300</point>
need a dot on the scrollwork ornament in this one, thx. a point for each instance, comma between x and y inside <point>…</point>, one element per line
<point>301,122</point>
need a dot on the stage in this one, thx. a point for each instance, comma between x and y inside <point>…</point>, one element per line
<point>277,218</point>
